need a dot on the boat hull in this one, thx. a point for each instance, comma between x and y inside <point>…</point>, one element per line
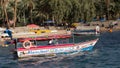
<point>56,49</point>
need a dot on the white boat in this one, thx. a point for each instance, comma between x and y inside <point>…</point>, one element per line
<point>27,48</point>
<point>85,32</point>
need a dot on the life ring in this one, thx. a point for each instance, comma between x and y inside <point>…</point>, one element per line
<point>26,46</point>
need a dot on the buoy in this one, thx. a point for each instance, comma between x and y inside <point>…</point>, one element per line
<point>27,46</point>
<point>110,30</point>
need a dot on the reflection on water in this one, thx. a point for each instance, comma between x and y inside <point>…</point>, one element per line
<point>105,54</point>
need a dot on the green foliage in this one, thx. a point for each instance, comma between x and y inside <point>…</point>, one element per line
<point>36,11</point>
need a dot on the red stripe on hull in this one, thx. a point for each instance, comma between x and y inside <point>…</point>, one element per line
<point>46,47</point>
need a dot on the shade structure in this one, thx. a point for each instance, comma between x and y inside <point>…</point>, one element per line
<point>32,26</point>
<point>49,21</point>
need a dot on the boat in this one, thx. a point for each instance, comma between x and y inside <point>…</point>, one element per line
<point>92,31</point>
<point>31,47</point>
<point>85,32</point>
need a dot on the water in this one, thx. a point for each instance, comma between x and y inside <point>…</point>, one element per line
<point>105,54</point>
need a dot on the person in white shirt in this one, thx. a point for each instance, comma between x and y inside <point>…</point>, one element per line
<point>53,41</point>
<point>97,29</point>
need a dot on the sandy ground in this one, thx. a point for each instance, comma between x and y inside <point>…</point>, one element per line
<point>64,31</point>
<point>106,24</point>
<point>92,26</point>
<point>26,30</point>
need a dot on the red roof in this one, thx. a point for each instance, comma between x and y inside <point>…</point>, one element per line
<point>45,38</point>
<point>33,26</point>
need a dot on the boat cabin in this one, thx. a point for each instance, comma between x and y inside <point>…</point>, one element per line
<point>40,41</point>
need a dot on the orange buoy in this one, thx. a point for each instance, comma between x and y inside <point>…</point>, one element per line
<point>110,30</point>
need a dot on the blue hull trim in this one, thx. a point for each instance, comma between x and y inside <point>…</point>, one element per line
<point>87,48</point>
<point>67,53</point>
<point>74,52</point>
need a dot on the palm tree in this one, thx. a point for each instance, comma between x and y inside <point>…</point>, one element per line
<point>1,8</point>
<point>25,11</point>
<point>58,10</point>
<point>5,4</point>
<point>117,8</point>
<point>107,4</point>
<point>30,7</point>
<point>15,12</point>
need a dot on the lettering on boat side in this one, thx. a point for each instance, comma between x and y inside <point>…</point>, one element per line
<point>45,51</point>
<point>37,51</point>
<point>21,53</point>
<point>53,50</point>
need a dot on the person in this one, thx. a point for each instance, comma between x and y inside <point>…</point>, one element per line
<point>53,41</point>
<point>8,32</point>
<point>97,29</point>
<point>50,42</point>
<point>111,25</point>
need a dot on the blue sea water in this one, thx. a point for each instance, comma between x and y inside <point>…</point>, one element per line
<point>105,54</point>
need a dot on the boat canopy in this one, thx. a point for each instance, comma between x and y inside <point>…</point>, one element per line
<point>43,38</point>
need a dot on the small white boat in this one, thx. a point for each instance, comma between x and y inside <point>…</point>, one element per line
<point>85,32</point>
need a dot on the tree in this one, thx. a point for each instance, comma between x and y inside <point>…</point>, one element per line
<point>15,12</point>
<point>107,4</point>
<point>31,11</point>
<point>25,11</point>
<point>5,4</point>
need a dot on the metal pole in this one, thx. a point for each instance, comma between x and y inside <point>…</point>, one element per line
<point>15,41</point>
<point>73,39</point>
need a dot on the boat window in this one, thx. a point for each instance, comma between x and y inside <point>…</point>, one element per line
<point>33,42</point>
<point>19,44</point>
<point>39,43</point>
<point>57,41</point>
<point>63,41</point>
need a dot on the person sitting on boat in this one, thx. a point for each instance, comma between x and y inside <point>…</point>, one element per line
<point>50,42</point>
<point>53,41</point>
